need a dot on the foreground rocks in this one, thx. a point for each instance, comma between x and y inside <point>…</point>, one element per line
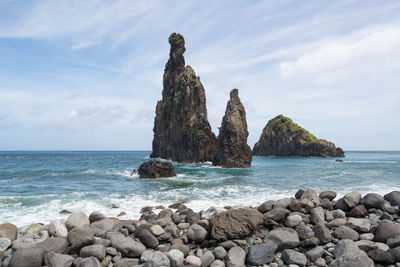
<point>306,230</point>
<point>156,169</point>
<point>232,148</point>
<point>282,137</point>
<point>182,132</point>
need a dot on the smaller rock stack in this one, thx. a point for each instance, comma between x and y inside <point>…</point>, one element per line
<point>307,230</point>
<point>156,169</point>
<point>232,148</point>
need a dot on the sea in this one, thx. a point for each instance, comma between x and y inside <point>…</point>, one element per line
<point>36,185</point>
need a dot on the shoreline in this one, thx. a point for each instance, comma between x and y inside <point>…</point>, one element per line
<point>306,229</point>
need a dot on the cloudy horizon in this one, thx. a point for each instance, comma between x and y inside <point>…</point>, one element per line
<point>86,75</point>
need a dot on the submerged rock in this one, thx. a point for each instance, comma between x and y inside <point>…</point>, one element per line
<point>156,169</point>
<point>182,132</point>
<point>232,148</point>
<point>282,137</point>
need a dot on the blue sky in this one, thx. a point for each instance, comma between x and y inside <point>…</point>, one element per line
<point>87,74</point>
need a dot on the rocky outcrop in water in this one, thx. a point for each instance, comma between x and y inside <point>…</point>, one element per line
<point>282,137</point>
<point>156,169</point>
<point>182,132</point>
<point>232,148</point>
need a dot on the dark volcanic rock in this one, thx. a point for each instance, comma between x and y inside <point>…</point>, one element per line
<point>181,130</point>
<point>282,137</point>
<point>235,224</point>
<point>156,169</point>
<point>232,148</point>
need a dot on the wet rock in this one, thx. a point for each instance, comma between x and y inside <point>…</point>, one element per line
<point>96,216</point>
<point>386,230</point>
<point>28,257</point>
<point>298,194</point>
<point>8,230</point>
<point>282,137</point>
<point>235,224</point>
<point>236,257</point>
<point>266,206</point>
<point>341,205</point>
<point>232,148</point>
<point>393,197</point>
<point>127,246</point>
<point>260,254</point>
<point>182,132</point>
<point>290,256</point>
<point>373,200</point>
<point>327,194</point>
<point>358,211</point>
<point>284,237</point>
<point>156,169</point>
<point>53,259</point>
<point>77,219</point>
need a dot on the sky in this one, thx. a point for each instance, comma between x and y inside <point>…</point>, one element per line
<point>86,75</point>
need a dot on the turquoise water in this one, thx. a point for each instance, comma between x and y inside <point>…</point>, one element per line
<point>35,186</point>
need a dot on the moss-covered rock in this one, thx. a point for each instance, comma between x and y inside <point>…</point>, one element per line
<point>282,137</point>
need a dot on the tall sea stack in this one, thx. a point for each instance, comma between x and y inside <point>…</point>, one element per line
<point>282,137</point>
<point>232,148</point>
<point>182,132</point>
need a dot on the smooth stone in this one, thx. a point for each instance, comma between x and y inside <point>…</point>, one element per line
<point>352,199</point>
<point>298,194</point>
<point>87,262</point>
<point>56,244</point>
<point>192,260</point>
<point>311,195</point>
<point>358,211</point>
<point>366,236</point>
<point>366,245</point>
<point>305,232</point>
<point>338,214</point>
<point>266,206</point>
<point>386,230</point>
<point>381,256</point>
<point>58,229</point>
<point>96,216</point>
<point>100,227</point>
<point>33,228</point>
<point>315,253</point>
<point>282,203</point>
<point>236,257</point>
<point>393,197</point>
<point>8,230</point>
<point>176,257</point>
<point>102,241</point>
<point>146,255</point>
<point>97,251</point>
<point>391,242</point>
<point>217,263</point>
<point>290,256</point>
<point>373,200</point>
<point>111,251</point>
<point>341,205</point>
<point>127,246</point>
<point>310,242</point>
<point>126,262</point>
<point>219,252</point>
<point>80,237</point>
<point>77,219</point>
<point>276,214</point>
<point>182,248</point>
<point>183,226</point>
<point>322,233</point>
<point>336,223</point>
<point>348,254</point>
<point>148,239</point>
<point>30,240</point>
<point>359,224</point>
<point>172,229</point>
<point>293,220</point>
<point>5,243</point>
<point>317,215</point>
<point>28,257</point>
<point>157,259</point>
<point>284,237</point>
<point>157,230</point>
<point>207,258</point>
<point>345,232</point>
<point>320,262</point>
<point>327,194</point>
<point>260,254</point>
<point>196,233</point>
<point>53,259</point>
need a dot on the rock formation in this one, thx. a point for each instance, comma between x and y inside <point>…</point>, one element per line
<point>182,132</point>
<point>232,148</point>
<point>156,169</point>
<point>282,137</point>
